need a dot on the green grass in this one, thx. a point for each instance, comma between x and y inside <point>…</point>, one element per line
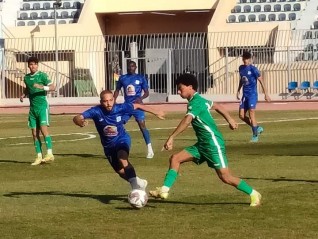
<point>79,196</point>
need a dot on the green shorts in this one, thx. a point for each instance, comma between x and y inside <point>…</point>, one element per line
<point>39,117</point>
<point>214,155</point>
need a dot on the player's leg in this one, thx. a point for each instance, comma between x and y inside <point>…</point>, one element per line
<point>171,176</point>
<point>35,131</point>
<point>140,118</point>
<point>226,177</point>
<point>127,171</point>
<point>44,118</point>
<point>256,130</point>
<point>243,108</point>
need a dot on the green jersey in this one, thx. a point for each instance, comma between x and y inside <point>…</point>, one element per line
<point>203,122</point>
<point>37,96</point>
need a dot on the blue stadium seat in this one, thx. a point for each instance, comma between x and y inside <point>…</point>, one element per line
<point>277,8</point>
<point>36,6</point>
<point>252,18</point>
<point>261,17</point>
<point>282,17</point>
<point>305,89</point>
<point>232,18</point>
<point>267,8</point>
<point>291,90</point>
<point>292,16</point>
<point>252,1</point>
<point>41,23</point>
<point>308,35</point>
<point>271,17</point>
<point>287,7</point>
<point>46,5</point>
<point>247,8</point>
<point>292,85</point>
<point>257,8</point>
<point>297,7</point>
<point>44,15</point>
<point>242,18</point>
<point>31,23</point>
<point>21,23</point>
<point>315,85</point>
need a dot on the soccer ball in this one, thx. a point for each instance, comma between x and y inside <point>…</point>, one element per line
<point>137,198</point>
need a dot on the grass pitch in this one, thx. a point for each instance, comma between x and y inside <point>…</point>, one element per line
<point>79,196</point>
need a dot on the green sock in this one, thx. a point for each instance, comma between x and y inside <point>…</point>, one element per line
<point>170,178</point>
<point>37,145</point>
<point>244,187</point>
<point>48,142</point>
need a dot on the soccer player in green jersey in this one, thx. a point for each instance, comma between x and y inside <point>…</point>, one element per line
<point>210,146</point>
<point>37,85</point>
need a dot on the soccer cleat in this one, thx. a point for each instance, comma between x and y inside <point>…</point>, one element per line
<point>145,184</point>
<point>38,160</point>
<point>260,130</point>
<point>150,154</point>
<point>48,158</point>
<point>254,139</point>
<point>255,199</point>
<point>158,193</point>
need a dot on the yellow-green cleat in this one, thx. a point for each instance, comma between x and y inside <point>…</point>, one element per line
<point>37,161</point>
<point>48,158</point>
<point>158,193</point>
<point>255,199</point>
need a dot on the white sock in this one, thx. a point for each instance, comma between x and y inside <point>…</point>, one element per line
<point>140,182</point>
<point>149,148</point>
<point>39,155</point>
<point>133,183</point>
<point>165,189</point>
<point>253,192</point>
<point>49,151</point>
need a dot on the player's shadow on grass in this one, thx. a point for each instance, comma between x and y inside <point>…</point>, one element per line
<point>283,179</point>
<point>81,155</point>
<point>14,161</point>
<point>106,199</point>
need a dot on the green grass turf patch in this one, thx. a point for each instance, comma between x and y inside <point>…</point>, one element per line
<point>79,196</point>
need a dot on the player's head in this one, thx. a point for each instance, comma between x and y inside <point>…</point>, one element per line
<point>132,66</point>
<point>33,64</point>
<point>246,57</point>
<point>107,99</point>
<point>187,85</point>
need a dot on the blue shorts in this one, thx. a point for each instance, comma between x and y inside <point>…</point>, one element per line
<point>248,103</point>
<point>111,152</point>
<point>139,115</point>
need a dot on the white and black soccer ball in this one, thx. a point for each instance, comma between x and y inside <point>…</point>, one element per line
<point>137,198</point>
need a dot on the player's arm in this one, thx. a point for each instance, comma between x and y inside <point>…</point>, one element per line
<point>238,90</point>
<point>24,94</point>
<point>145,89</point>
<point>183,125</point>
<point>118,87</point>
<point>222,111</point>
<point>159,113</point>
<point>261,81</point>
<point>80,121</point>
<point>50,87</point>
<point>145,95</point>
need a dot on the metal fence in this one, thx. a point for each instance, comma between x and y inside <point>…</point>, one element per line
<point>87,65</point>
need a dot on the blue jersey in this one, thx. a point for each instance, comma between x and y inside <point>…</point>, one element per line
<point>109,124</point>
<point>133,85</point>
<point>248,77</point>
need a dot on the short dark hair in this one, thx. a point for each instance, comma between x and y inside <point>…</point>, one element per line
<point>188,79</point>
<point>246,55</point>
<point>132,62</point>
<point>33,59</point>
<point>105,92</point>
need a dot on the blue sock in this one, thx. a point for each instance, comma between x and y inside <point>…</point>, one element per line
<point>254,129</point>
<point>146,135</point>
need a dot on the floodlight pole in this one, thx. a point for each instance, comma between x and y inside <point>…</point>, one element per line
<point>56,4</point>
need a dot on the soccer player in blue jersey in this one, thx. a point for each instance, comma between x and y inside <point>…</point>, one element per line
<point>249,75</point>
<point>108,119</point>
<point>135,90</point>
